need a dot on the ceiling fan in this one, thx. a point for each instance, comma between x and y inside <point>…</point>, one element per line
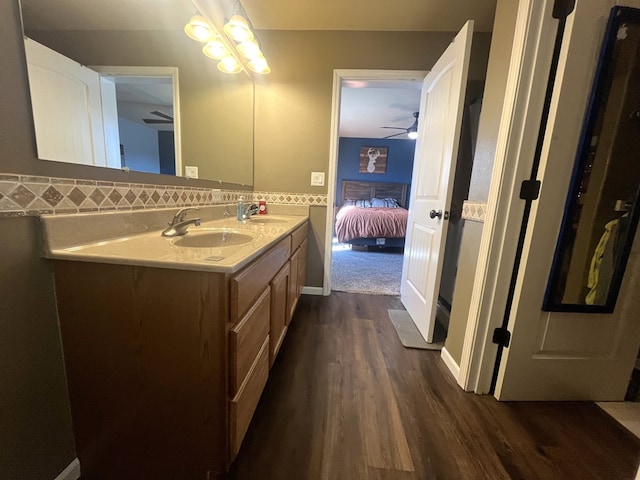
<point>164,118</point>
<point>411,131</point>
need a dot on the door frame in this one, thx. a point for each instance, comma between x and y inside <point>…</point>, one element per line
<point>334,141</point>
<point>519,124</point>
<point>146,71</point>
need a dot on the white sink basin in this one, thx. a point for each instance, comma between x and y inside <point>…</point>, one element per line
<point>213,239</point>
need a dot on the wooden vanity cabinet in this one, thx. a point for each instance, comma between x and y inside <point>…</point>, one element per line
<point>145,351</point>
<point>247,386</point>
<point>165,367</point>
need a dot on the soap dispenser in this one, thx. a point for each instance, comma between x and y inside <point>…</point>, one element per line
<point>240,209</point>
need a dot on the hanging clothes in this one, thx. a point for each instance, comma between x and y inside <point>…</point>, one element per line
<point>603,261</point>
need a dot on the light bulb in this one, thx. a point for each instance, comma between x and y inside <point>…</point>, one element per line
<point>413,135</point>
<point>238,29</point>
<point>215,50</point>
<point>229,65</point>
<point>259,65</point>
<point>199,30</point>
<point>249,49</point>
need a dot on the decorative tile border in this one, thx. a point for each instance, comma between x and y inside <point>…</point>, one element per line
<point>474,211</point>
<point>292,198</point>
<point>22,195</point>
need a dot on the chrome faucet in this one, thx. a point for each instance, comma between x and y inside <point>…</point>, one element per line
<point>178,225</point>
<point>251,210</point>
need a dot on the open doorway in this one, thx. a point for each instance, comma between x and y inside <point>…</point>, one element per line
<point>377,271</point>
<point>373,179</point>
<point>144,121</point>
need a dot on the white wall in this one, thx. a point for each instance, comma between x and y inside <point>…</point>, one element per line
<point>140,146</point>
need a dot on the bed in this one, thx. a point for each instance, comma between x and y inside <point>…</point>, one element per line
<point>372,213</point>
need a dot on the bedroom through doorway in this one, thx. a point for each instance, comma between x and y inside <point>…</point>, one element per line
<point>373,179</point>
<point>373,268</point>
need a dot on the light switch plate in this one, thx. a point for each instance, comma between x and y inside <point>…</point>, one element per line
<point>191,172</point>
<point>317,179</point>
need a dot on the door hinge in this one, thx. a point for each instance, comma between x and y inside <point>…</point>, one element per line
<point>501,336</point>
<point>530,189</point>
<point>562,8</point>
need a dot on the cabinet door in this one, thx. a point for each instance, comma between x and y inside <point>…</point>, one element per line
<point>279,310</point>
<point>302,268</point>
<point>292,299</point>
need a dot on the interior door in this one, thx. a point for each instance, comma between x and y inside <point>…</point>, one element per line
<point>67,107</point>
<point>441,109</point>
<point>561,355</point>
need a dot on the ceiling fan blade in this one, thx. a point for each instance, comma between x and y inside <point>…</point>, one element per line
<point>395,128</point>
<point>395,134</point>
<point>156,120</point>
<point>162,115</point>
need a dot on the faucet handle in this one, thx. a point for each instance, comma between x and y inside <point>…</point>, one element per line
<point>179,217</point>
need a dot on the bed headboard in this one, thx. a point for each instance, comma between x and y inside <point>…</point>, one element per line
<point>356,190</point>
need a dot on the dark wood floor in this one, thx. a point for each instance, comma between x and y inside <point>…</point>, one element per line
<point>346,401</point>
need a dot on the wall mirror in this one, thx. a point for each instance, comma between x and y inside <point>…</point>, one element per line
<point>601,212</point>
<point>215,114</point>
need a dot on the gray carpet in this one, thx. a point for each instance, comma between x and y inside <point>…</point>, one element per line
<point>410,335</point>
<point>376,272</point>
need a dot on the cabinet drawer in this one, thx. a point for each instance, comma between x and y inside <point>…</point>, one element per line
<point>245,402</point>
<point>298,236</point>
<point>246,339</point>
<point>248,284</point>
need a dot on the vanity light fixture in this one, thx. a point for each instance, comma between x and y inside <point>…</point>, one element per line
<point>240,38</point>
<point>259,65</point>
<point>249,49</point>
<point>240,34</point>
<point>215,49</point>
<point>229,64</point>
<point>237,28</point>
<point>199,29</point>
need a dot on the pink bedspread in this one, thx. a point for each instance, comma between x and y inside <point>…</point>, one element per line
<point>354,222</point>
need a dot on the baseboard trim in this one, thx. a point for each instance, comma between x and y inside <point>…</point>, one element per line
<point>72,472</point>
<point>451,364</point>
<point>312,290</point>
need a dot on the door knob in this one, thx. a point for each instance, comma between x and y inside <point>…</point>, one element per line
<point>439,214</point>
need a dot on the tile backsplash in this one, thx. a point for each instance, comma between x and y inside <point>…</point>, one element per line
<point>474,211</point>
<point>22,195</point>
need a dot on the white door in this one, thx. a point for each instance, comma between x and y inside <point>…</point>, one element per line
<point>67,107</point>
<point>110,121</point>
<point>441,109</point>
<point>557,355</point>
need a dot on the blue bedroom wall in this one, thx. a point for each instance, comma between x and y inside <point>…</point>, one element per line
<point>399,161</point>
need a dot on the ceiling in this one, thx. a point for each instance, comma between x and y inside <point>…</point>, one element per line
<point>364,109</point>
<point>371,15</point>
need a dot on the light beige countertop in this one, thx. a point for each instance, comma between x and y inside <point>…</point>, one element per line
<point>134,238</point>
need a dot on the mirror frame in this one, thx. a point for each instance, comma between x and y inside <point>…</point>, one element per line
<point>597,100</point>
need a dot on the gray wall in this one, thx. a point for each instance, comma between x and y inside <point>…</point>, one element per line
<point>293,103</point>
<point>36,440</point>
<point>497,71</point>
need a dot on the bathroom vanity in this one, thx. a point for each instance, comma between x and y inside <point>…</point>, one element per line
<point>168,346</point>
